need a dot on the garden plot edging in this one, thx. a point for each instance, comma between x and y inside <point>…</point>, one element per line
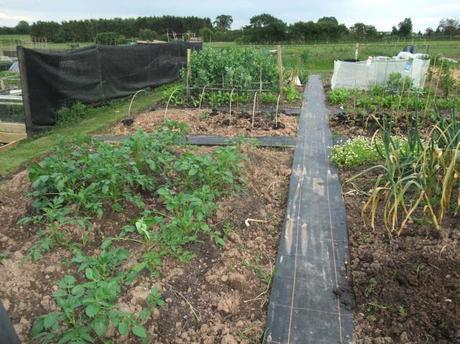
<point>310,289</point>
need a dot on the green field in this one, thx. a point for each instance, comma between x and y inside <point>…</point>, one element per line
<point>319,57</point>
<point>311,58</point>
<point>9,42</point>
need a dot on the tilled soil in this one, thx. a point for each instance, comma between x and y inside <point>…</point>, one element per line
<point>219,297</point>
<point>212,122</point>
<point>407,287</point>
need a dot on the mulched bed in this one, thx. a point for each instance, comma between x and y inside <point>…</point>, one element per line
<point>212,122</point>
<point>219,297</point>
<point>407,287</point>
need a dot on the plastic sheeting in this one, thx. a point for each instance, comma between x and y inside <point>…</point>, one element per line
<point>93,75</point>
<point>363,75</point>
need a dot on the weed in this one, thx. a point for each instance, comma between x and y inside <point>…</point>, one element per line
<point>72,114</point>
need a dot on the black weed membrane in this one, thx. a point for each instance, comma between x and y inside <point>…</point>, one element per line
<point>53,79</point>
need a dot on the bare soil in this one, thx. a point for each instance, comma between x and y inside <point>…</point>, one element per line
<point>212,122</point>
<point>407,287</point>
<point>219,297</point>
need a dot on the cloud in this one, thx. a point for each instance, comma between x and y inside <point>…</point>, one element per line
<point>7,19</point>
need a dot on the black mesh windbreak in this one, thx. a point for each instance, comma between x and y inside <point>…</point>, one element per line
<point>94,74</point>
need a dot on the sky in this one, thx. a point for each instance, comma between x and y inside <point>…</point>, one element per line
<point>381,13</point>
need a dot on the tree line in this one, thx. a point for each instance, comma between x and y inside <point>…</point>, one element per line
<point>87,30</point>
<point>262,28</point>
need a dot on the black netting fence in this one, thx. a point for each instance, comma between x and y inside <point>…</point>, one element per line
<point>51,80</point>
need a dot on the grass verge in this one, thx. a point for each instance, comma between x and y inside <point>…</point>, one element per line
<point>32,148</point>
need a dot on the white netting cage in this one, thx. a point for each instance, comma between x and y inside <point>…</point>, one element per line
<point>365,74</point>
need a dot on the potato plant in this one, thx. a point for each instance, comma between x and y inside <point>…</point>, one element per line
<point>83,181</point>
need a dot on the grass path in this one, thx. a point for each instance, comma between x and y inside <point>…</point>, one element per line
<point>29,149</point>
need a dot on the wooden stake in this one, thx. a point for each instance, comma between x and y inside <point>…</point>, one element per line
<point>253,110</point>
<point>280,69</point>
<point>189,70</point>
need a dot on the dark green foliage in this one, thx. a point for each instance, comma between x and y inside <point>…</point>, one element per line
<point>72,114</point>
<point>148,35</point>
<point>233,68</point>
<point>110,38</point>
<point>265,28</point>
<point>223,22</point>
<point>86,30</point>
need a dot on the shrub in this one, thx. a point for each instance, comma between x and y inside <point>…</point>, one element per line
<point>110,38</point>
<point>147,35</point>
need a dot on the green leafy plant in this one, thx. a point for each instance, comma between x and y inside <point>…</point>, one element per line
<point>86,309</point>
<point>292,94</point>
<point>72,114</point>
<point>339,96</point>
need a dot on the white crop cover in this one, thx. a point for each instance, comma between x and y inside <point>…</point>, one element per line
<point>376,71</point>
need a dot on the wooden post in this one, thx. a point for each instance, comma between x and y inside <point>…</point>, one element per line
<point>25,90</point>
<point>260,78</point>
<point>280,70</point>
<point>189,69</point>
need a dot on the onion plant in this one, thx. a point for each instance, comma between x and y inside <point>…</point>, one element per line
<point>420,175</point>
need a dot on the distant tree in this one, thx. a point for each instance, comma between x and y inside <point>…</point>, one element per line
<point>449,26</point>
<point>86,30</point>
<point>223,22</point>
<point>405,27</point>
<point>147,35</point>
<point>206,34</point>
<point>303,31</point>
<point>23,28</point>
<point>330,20</point>
<point>361,31</point>
<point>110,38</point>
<point>394,31</point>
<point>265,28</point>
<point>429,32</point>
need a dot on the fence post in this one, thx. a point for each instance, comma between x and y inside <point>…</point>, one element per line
<point>280,70</point>
<point>25,90</point>
<point>189,69</point>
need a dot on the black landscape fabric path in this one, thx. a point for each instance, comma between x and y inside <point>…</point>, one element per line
<point>310,291</point>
